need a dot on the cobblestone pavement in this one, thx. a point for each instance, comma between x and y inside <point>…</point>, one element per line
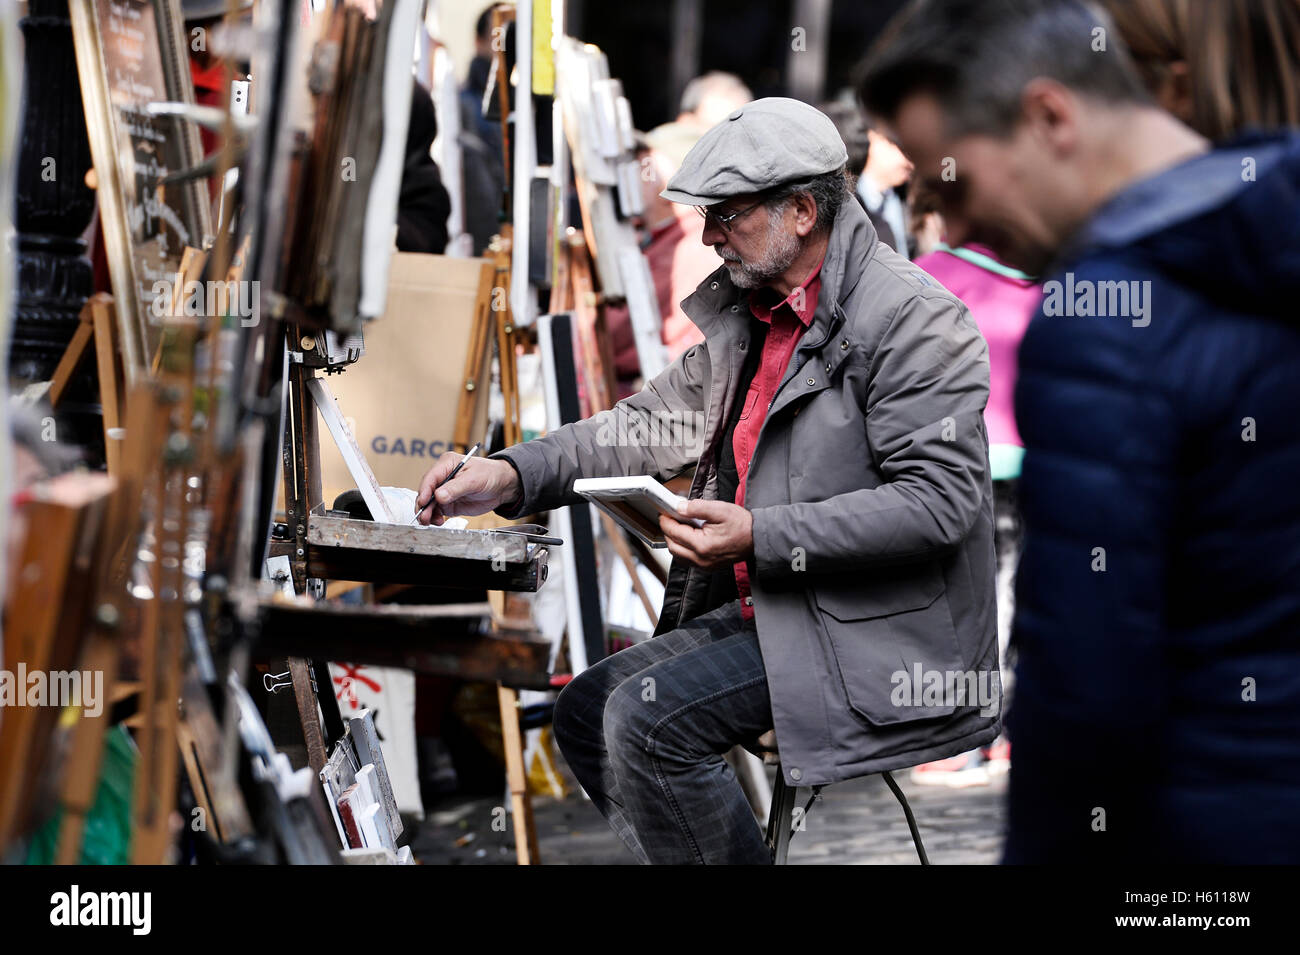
<point>858,822</point>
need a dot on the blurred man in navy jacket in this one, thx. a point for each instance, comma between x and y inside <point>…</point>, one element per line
<point>1157,715</point>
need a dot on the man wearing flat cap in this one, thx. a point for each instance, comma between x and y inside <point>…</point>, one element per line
<point>840,590</point>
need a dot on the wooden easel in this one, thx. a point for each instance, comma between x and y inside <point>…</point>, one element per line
<point>302,490</point>
<point>507,339</point>
<point>104,571</point>
<point>155,466</point>
<point>477,359</point>
<point>329,548</point>
<point>115,611</point>
<point>46,625</point>
<point>98,329</point>
<point>492,332</point>
<point>593,335</point>
<point>494,326</point>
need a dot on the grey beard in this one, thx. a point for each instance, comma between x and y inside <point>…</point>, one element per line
<point>782,249</point>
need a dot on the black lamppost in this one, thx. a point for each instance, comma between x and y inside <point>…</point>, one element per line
<point>53,204</point>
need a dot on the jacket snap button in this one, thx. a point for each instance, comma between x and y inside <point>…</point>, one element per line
<point>749,601</point>
<point>844,345</point>
<point>714,286</point>
<point>811,381</point>
<point>796,774</point>
<point>828,368</point>
<point>735,308</point>
<point>742,346</point>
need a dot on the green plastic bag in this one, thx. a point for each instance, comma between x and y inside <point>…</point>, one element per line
<point>107,838</point>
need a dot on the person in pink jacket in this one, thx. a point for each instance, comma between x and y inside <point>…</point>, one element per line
<point>1002,300</point>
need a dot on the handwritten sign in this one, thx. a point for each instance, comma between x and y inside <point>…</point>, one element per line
<point>131,54</point>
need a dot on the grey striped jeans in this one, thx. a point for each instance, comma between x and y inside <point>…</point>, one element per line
<point>645,731</point>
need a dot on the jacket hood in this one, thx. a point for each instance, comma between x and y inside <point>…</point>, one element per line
<point>1226,222</point>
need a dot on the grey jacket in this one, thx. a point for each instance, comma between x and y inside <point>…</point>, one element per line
<point>873,581</point>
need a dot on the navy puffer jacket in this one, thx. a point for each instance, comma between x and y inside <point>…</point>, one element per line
<point>1157,704</point>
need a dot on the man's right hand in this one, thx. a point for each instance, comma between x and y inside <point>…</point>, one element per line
<point>481,486</point>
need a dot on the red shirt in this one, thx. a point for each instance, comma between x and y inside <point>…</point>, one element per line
<point>787,325</point>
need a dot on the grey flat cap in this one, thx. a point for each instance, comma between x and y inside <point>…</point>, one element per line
<point>763,144</point>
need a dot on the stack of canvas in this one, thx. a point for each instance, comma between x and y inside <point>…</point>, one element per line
<point>360,795</point>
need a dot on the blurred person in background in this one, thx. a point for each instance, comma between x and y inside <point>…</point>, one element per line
<point>925,221</point>
<point>1157,710</point>
<point>1220,67</point>
<point>709,99</point>
<point>482,156</point>
<point>1001,299</point>
<point>881,164</point>
<point>422,204</point>
<point>677,257</point>
<point>670,233</point>
<point>476,81</point>
<point>879,187</point>
<point>208,71</point>
<point>670,240</point>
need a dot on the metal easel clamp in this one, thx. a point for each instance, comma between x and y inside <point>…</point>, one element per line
<point>275,682</point>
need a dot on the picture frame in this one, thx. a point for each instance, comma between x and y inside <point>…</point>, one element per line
<point>130,53</point>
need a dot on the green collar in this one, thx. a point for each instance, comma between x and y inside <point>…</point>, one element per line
<point>984,262</point>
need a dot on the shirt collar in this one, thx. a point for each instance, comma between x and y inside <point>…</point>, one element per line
<point>761,304</point>
<point>871,195</point>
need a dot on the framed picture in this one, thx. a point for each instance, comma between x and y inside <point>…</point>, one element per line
<point>131,53</point>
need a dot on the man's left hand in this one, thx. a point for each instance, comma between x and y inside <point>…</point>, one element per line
<point>726,537</point>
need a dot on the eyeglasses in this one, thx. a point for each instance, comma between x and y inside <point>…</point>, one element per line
<point>724,222</point>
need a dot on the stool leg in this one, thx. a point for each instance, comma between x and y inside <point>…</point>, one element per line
<point>780,819</point>
<point>911,819</point>
<point>750,773</point>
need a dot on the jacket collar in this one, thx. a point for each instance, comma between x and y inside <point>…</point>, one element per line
<point>1174,196</point>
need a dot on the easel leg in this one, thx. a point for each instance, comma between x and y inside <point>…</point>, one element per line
<point>85,756</point>
<point>72,356</point>
<point>331,716</point>
<point>110,378</point>
<point>521,806</point>
<point>148,825</point>
<point>145,424</point>
<point>194,770</point>
<point>477,356</point>
<point>155,783</point>
<point>300,673</point>
<point>615,535</point>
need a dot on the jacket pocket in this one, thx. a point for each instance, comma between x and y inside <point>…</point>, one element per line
<point>889,632</point>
